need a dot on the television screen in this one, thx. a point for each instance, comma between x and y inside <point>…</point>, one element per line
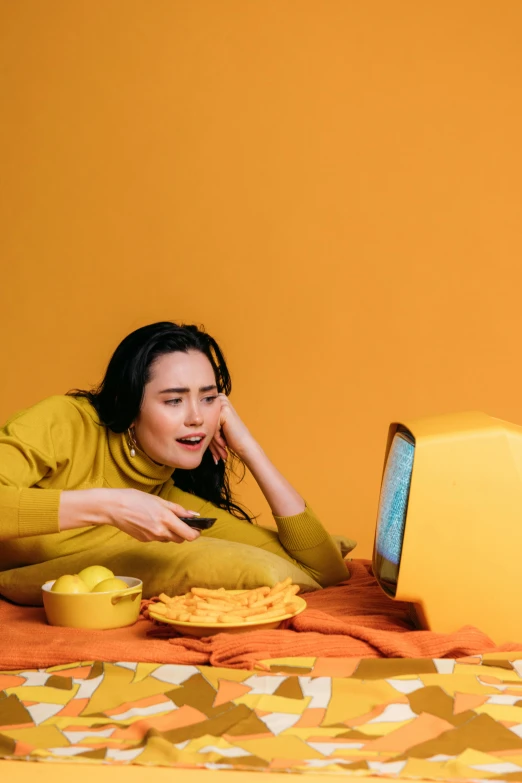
<point>393,506</point>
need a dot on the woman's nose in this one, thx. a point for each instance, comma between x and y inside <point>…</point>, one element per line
<point>194,416</point>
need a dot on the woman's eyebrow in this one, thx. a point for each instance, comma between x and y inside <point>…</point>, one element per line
<point>184,390</point>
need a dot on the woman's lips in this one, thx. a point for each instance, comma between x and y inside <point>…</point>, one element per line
<point>191,446</point>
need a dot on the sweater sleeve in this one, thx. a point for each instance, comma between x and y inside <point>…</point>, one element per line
<point>302,539</point>
<point>27,455</point>
<point>305,538</point>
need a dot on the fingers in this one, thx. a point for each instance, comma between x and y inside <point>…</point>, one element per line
<point>226,404</point>
<point>171,527</point>
<point>177,527</point>
<point>151,518</point>
<point>224,399</point>
<point>218,452</point>
<point>180,511</point>
<point>214,452</point>
<point>218,446</point>
<point>220,440</point>
<point>159,531</point>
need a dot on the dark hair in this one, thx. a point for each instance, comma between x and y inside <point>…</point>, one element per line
<point>118,398</point>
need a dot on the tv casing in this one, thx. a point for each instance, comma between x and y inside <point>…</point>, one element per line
<point>461,559</point>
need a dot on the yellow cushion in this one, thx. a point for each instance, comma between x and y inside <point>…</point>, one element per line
<point>169,568</point>
<point>209,562</point>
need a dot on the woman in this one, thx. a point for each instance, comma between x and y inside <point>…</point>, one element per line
<point>103,476</point>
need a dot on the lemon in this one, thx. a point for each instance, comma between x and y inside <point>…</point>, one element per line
<point>69,583</point>
<point>109,585</point>
<point>94,574</point>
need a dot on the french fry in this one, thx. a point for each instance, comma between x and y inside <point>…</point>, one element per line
<point>223,606</point>
<point>238,599</point>
<point>211,600</point>
<point>243,612</point>
<point>158,608</point>
<point>231,618</point>
<point>281,586</point>
<point>166,599</point>
<point>207,613</point>
<point>270,600</point>
<point>276,611</point>
<point>257,594</point>
<point>291,591</point>
<point>196,618</point>
<point>176,609</point>
<point>250,611</point>
<point>215,607</point>
<point>278,599</point>
<point>204,591</point>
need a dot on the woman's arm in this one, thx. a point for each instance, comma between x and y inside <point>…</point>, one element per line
<point>282,498</point>
<point>27,455</point>
<point>140,515</point>
<point>33,444</point>
<point>300,532</point>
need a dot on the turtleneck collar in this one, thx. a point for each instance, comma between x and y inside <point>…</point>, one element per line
<point>139,469</point>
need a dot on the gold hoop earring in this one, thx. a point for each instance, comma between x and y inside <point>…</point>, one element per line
<point>132,442</point>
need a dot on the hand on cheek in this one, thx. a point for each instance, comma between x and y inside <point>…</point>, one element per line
<point>218,446</point>
<point>231,432</point>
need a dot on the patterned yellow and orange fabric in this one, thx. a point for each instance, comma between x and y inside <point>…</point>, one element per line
<point>423,718</point>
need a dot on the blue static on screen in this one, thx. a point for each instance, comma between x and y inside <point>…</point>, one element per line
<point>394,499</point>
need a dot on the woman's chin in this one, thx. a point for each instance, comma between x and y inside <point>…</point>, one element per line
<point>186,461</point>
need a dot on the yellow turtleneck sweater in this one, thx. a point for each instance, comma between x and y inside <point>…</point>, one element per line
<point>59,444</point>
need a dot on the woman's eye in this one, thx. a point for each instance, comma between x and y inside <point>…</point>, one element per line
<point>179,400</point>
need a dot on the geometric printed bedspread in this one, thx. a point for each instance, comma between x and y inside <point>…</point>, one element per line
<point>422,718</point>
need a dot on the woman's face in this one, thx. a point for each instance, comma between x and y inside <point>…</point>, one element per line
<point>180,403</point>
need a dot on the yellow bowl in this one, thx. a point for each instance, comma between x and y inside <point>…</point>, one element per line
<point>210,629</point>
<point>114,609</point>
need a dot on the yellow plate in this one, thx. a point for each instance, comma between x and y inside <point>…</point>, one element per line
<point>209,629</point>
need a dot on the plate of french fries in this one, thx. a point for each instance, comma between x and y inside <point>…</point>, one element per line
<point>204,612</point>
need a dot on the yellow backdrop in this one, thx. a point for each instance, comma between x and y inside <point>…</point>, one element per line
<point>332,187</point>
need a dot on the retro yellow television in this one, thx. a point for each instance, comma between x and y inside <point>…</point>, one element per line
<point>449,525</point>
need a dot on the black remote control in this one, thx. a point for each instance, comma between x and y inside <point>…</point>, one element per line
<point>200,523</point>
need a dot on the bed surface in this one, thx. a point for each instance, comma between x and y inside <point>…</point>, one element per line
<point>420,718</point>
<point>45,773</point>
<point>362,694</point>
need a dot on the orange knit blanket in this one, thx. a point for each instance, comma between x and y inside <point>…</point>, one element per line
<point>354,619</point>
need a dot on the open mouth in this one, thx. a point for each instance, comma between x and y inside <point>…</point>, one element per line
<point>193,443</point>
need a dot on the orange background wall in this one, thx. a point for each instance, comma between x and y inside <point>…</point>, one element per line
<point>332,187</point>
